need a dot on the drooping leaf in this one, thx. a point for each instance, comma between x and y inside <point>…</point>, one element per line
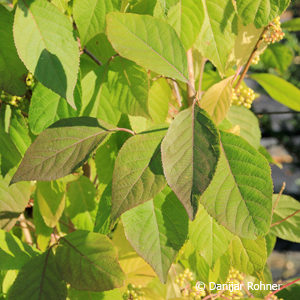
<point>216,101</point>
<point>61,148</point>
<point>187,17</point>
<point>190,152</point>
<point>138,175</point>
<point>157,230</point>
<point>82,203</point>
<point>279,89</point>
<point>50,52</point>
<point>260,12</point>
<point>158,100</point>
<point>248,256</point>
<point>240,201</point>
<point>128,87</point>
<point>291,25</point>
<point>149,42</point>
<point>46,107</point>
<point>217,36</point>
<point>209,238</point>
<point>13,253</point>
<point>277,56</point>
<point>89,16</point>
<point>13,200</point>
<point>12,70</point>
<point>88,261</point>
<point>51,200</point>
<point>289,229</point>
<point>42,278</point>
<point>248,124</point>
<point>96,96</point>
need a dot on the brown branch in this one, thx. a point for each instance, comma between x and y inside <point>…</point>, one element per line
<point>25,230</point>
<point>92,56</point>
<point>126,130</point>
<point>283,220</point>
<point>191,83</point>
<point>278,197</point>
<point>251,58</point>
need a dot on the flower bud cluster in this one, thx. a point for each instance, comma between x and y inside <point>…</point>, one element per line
<point>274,33</point>
<point>243,96</point>
<point>133,293</point>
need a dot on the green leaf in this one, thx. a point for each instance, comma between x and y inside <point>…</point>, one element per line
<point>109,295</point>
<point>216,101</point>
<point>82,203</point>
<point>138,175</point>
<point>10,156</point>
<point>248,256</point>
<point>12,70</point>
<point>157,230</point>
<point>128,87</point>
<point>209,238</point>
<point>260,12</point>
<point>46,107</point>
<point>159,96</point>
<point>89,16</point>
<point>217,36</point>
<point>291,25</point>
<point>51,200</point>
<point>148,41</point>
<point>13,200</point>
<point>291,292</point>
<point>45,43</point>
<point>279,89</point>
<point>13,253</point>
<point>61,148</point>
<point>105,158</point>
<point>277,56</point>
<point>88,261</point>
<point>190,152</point>
<point>42,280</point>
<point>187,17</point>
<point>19,132</point>
<point>248,123</point>
<point>142,7</point>
<point>288,229</point>
<point>96,97</point>
<point>240,201</point>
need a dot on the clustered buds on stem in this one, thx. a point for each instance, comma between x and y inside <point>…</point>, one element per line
<point>133,292</point>
<point>29,80</point>
<point>243,96</point>
<point>274,33</point>
<point>255,59</point>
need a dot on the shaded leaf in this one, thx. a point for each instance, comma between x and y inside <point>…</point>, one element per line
<point>292,25</point>
<point>61,148</point>
<point>42,279</point>
<point>138,175</point>
<point>12,70</point>
<point>148,41</point>
<point>109,295</point>
<point>157,230</point>
<point>240,201</point>
<point>279,89</point>
<point>190,152</point>
<point>88,261</point>
<point>50,52</point>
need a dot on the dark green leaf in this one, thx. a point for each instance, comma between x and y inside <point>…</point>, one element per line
<point>61,148</point>
<point>190,152</point>
<point>88,261</point>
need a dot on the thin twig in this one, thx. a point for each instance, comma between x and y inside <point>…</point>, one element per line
<point>191,83</point>
<point>247,291</point>
<point>25,230</point>
<point>92,56</point>
<point>250,59</point>
<point>269,296</point>
<point>126,130</point>
<point>283,220</point>
<point>278,197</point>
<point>177,92</point>
<point>202,66</point>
